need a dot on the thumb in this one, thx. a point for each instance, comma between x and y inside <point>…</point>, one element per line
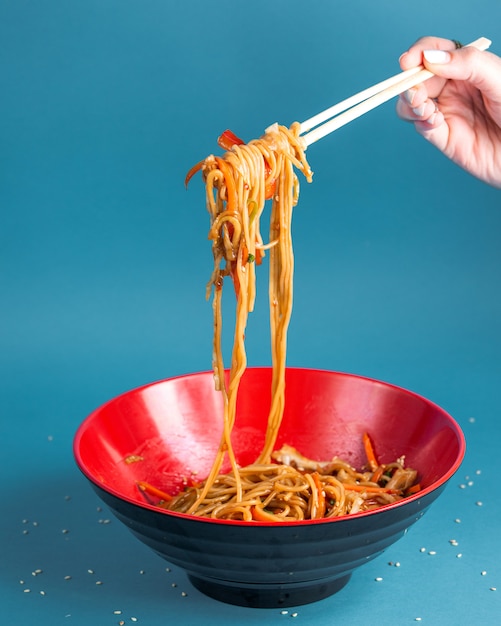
<point>481,69</point>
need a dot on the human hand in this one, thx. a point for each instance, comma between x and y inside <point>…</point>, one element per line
<point>459,109</point>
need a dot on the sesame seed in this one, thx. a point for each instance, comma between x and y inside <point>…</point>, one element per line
<point>483,573</point>
<point>90,571</point>
<point>472,420</point>
<point>478,472</point>
<point>294,614</point>
<point>493,588</point>
<point>117,612</point>
<point>21,582</point>
<point>397,564</point>
<point>457,520</point>
<point>479,503</point>
<point>98,582</point>
<point>462,486</point>
<point>174,585</point>
<point>26,590</point>
<point>458,556</point>
<point>35,523</point>
<point>67,578</point>
<point>121,623</point>
<point>422,549</point>
<point>453,542</point>
<point>42,593</point>
<point>133,619</point>
<point>65,531</point>
<point>432,552</point>
<point>26,532</point>
<point>141,571</point>
<point>470,483</point>
<point>284,612</point>
<point>167,569</point>
<point>378,579</point>
<point>184,594</point>
<point>417,619</point>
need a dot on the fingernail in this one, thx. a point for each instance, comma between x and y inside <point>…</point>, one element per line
<point>437,56</point>
<point>409,95</point>
<point>431,119</point>
<point>419,110</point>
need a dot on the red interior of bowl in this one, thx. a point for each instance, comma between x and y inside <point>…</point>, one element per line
<point>167,433</point>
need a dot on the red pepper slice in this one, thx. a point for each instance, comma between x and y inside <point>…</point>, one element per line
<point>228,139</point>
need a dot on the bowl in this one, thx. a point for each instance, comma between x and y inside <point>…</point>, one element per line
<point>167,432</point>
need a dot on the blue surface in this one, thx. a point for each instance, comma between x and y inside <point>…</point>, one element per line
<point>104,259</point>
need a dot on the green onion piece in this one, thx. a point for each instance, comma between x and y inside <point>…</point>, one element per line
<point>252,206</point>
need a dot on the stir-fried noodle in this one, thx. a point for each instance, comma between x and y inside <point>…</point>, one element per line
<point>283,485</point>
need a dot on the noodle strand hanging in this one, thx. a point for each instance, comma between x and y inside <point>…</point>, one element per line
<point>281,486</point>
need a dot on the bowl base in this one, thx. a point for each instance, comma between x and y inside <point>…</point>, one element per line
<point>268,597</point>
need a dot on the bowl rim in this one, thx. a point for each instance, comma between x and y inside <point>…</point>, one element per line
<point>441,482</point>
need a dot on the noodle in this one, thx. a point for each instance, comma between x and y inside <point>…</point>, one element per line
<point>237,186</point>
<point>300,489</point>
<point>280,486</point>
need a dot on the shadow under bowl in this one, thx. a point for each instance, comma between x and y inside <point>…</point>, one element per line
<point>166,433</point>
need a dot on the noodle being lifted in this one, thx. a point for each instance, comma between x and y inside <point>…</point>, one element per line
<point>281,486</point>
<point>237,186</point>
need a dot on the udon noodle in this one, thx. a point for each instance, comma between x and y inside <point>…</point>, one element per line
<point>281,485</point>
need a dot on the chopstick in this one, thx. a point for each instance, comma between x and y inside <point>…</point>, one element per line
<point>368,99</point>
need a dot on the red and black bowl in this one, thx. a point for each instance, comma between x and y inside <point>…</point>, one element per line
<point>167,434</point>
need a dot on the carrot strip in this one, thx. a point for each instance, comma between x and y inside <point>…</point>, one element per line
<point>321,496</point>
<point>378,474</point>
<point>260,515</point>
<point>413,489</point>
<point>369,452</point>
<point>231,190</point>
<point>368,488</point>
<point>153,491</point>
<point>259,256</point>
<point>196,168</point>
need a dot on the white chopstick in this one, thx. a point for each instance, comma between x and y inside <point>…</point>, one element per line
<point>368,99</point>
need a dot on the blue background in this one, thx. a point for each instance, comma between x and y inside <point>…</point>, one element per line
<point>103,262</point>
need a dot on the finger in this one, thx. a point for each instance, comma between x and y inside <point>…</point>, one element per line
<point>416,96</point>
<point>414,58</point>
<point>414,55</point>
<point>426,113</point>
<point>431,126</point>
<point>480,69</point>
<point>436,132</point>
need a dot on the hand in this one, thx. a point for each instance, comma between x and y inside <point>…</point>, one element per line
<point>459,109</point>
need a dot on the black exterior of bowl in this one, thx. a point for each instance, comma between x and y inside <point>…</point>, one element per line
<point>269,566</point>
